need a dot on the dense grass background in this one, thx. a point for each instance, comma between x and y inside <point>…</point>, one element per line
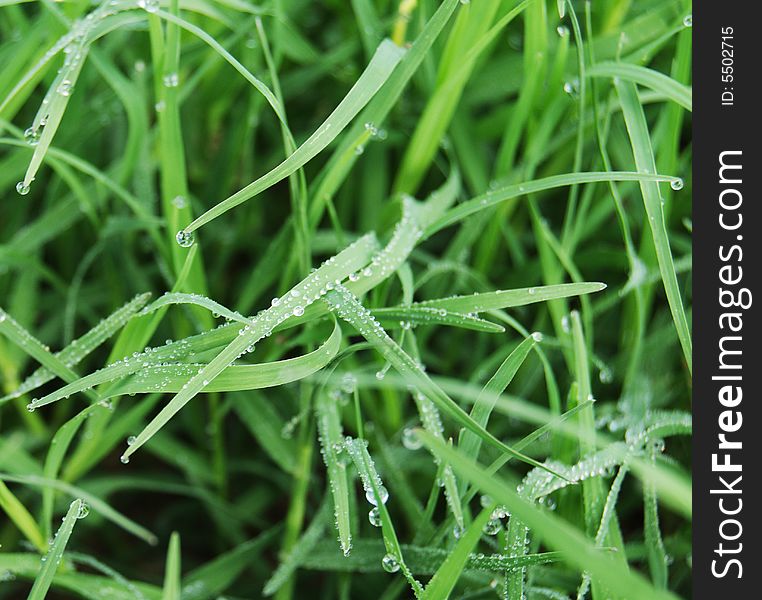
<point>546,144</point>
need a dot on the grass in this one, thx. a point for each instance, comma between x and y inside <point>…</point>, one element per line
<point>368,299</point>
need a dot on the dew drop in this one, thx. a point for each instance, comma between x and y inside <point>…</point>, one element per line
<point>537,336</point>
<point>184,238</point>
<point>410,440</point>
<point>562,31</point>
<point>349,383</point>
<point>179,202</point>
<point>171,80</point>
<point>688,21</point>
<point>298,311</point>
<point>676,184</point>
<point>131,440</point>
<point>374,516</point>
<point>605,375</point>
<point>390,563</point>
<point>22,188</point>
<point>32,136</point>
<point>65,88</point>
<point>150,6</point>
<point>492,527</point>
<point>124,459</point>
<point>84,510</point>
<point>383,494</point>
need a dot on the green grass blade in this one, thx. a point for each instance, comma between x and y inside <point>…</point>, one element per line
<point>359,317</point>
<point>75,352</point>
<point>332,445</point>
<point>292,304</point>
<point>380,67</point>
<point>496,196</point>
<point>477,303</point>
<point>579,552</point>
<point>470,443</point>
<point>53,558</point>
<point>93,502</point>
<point>658,82</point>
<point>443,582</point>
<point>20,517</point>
<point>171,589</point>
<point>644,160</point>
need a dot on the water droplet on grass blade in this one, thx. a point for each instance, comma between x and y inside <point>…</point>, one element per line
<point>676,184</point>
<point>492,527</point>
<point>184,238</point>
<point>171,80</point>
<point>688,21</point>
<point>65,88</point>
<point>374,516</point>
<point>150,6</point>
<point>84,510</point>
<point>390,563</point>
<point>32,136</point>
<point>410,440</point>
<point>383,494</point>
<point>22,188</point>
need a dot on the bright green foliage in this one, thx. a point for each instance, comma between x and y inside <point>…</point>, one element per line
<point>364,299</point>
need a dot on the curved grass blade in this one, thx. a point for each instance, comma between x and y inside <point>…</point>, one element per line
<point>494,197</point>
<point>172,377</point>
<point>477,303</point>
<point>557,534</point>
<point>73,354</point>
<point>197,299</point>
<point>344,157</point>
<point>640,140</point>
<point>348,308</point>
<point>291,304</point>
<point>658,82</point>
<point>94,502</point>
<point>380,67</point>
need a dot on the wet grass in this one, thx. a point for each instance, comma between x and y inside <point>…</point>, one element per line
<point>370,299</point>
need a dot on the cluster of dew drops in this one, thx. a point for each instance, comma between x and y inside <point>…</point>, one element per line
<point>74,46</point>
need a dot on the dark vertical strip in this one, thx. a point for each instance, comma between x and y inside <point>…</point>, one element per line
<point>727,441</point>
